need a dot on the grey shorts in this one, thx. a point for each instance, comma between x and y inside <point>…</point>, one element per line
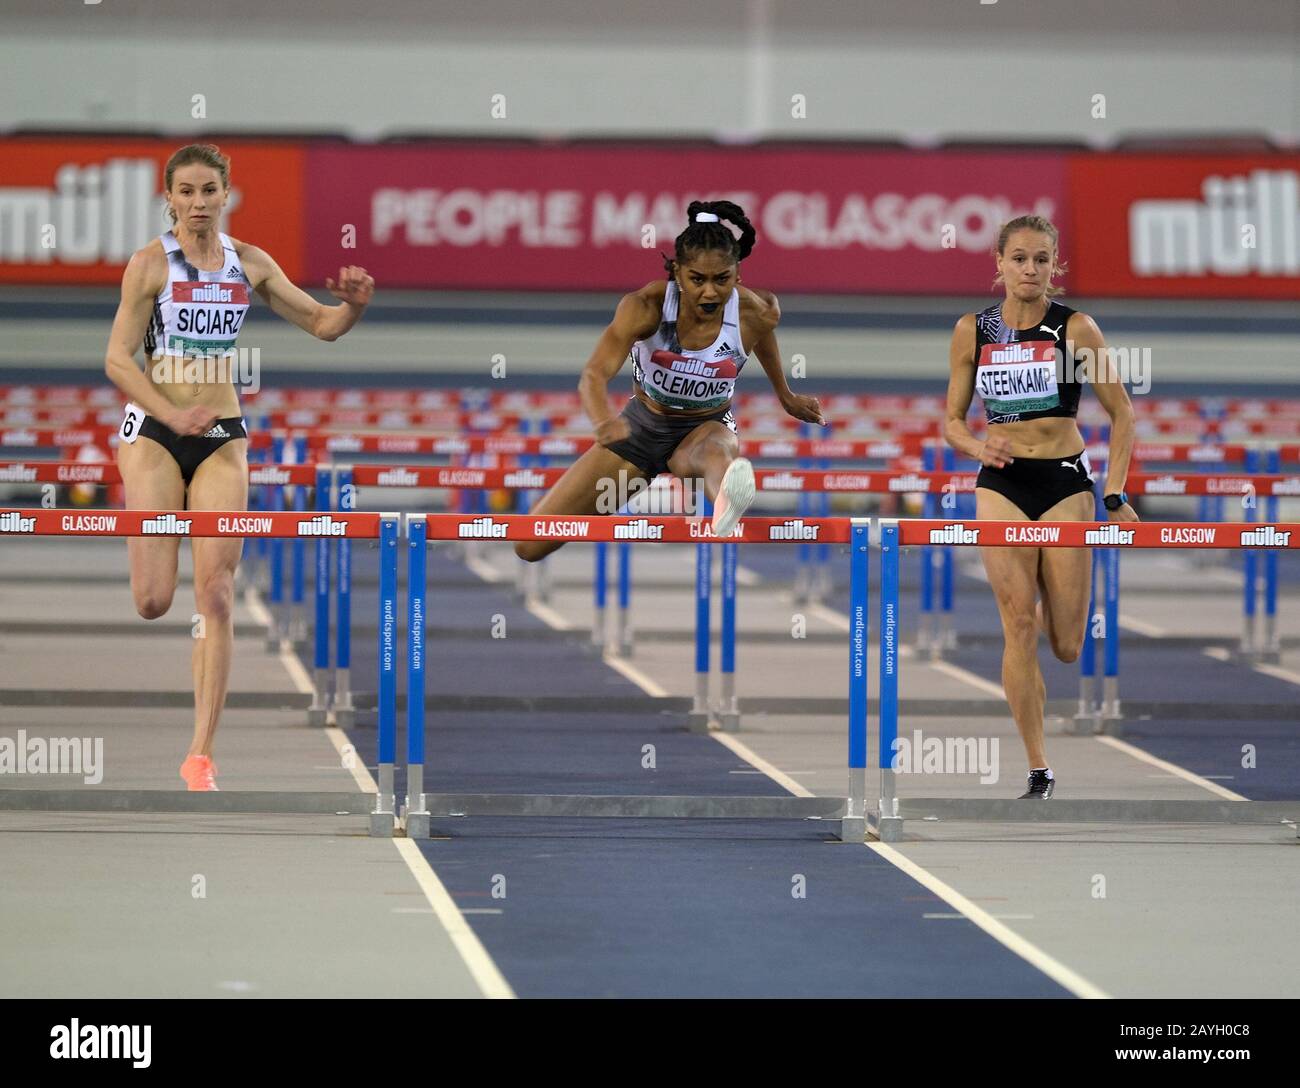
<point>655,436</point>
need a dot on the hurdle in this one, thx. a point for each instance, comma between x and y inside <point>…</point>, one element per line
<point>896,534</point>
<point>846,815</point>
<point>294,526</point>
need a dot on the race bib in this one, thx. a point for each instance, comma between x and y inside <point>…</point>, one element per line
<point>1019,377</point>
<point>131,424</point>
<point>681,381</point>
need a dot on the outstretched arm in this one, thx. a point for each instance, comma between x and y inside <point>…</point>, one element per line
<point>354,290</point>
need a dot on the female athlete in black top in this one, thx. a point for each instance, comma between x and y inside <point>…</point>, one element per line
<point>1023,357</point>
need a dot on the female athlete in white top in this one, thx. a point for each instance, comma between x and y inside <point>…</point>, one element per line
<point>688,337</point>
<point>183,443</point>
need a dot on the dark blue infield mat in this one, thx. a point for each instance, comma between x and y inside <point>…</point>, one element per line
<point>639,908</point>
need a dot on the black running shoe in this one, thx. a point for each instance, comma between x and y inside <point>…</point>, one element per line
<point>1040,786</point>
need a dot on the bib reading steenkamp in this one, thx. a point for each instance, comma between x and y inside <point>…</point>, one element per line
<point>1017,377</point>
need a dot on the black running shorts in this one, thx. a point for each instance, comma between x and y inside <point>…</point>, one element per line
<point>1036,484</point>
<point>655,436</point>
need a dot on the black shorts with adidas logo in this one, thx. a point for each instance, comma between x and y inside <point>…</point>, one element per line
<point>191,450</point>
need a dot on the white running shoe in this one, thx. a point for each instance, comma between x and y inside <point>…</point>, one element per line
<point>734,496</point>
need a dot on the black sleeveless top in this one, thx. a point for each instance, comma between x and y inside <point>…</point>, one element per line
<point>1021,374</point>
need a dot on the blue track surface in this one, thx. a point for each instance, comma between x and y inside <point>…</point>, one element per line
<point>705,909</point>
<point>658,908</point>
<point>661,908</point>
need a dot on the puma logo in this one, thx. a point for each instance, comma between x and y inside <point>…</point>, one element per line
<point>1073,464</point>
<point>1056,332</point>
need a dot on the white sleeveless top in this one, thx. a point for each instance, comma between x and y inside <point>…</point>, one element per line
<point>699,378</point>
<point>197,313</point>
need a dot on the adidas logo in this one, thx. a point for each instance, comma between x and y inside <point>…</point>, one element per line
<point>723,351</point>
<point>217,432</point>
<point>234,273</point>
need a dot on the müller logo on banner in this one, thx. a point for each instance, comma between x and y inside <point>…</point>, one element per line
<point>794,529</point>
<point>1266,536</point>
<point>1108,534</point>
<point>641,529</point>
<point>482,528</point>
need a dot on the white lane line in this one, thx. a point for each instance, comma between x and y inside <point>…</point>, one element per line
<point>1279,672</point>
<point>484,569</point>
<point>640,679</point>
<point>968,677</point>
<point>728,740</point>
<point>485,972</point>
<point>548,615</point>
<point>348,755</point>
<point>1171,768</point>
<point>1222,653</point>
<point>838,620</point>
<point>294,667</point>
<point>1000,917</point>
<point>482,910</point>
<point>1132,623</point>
<point>1050,966</point>
<point>253,602</point>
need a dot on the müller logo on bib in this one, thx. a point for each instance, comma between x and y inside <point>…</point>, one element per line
<point>233,294</point>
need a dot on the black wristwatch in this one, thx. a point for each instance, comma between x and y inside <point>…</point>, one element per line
<point>1114,502</point>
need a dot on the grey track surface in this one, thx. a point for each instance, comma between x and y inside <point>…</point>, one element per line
<point>310,906</point>
<point>100,904</point>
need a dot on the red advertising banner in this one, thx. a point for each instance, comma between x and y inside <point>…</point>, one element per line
<point>73,211</point>
<point>597,217</point>
<point>1171,227</point>
<point>828,219</point>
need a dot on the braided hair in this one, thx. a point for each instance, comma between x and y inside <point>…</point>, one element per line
<point>711,234</point>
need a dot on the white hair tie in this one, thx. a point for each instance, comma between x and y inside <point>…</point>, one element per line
<point>705,217</point>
